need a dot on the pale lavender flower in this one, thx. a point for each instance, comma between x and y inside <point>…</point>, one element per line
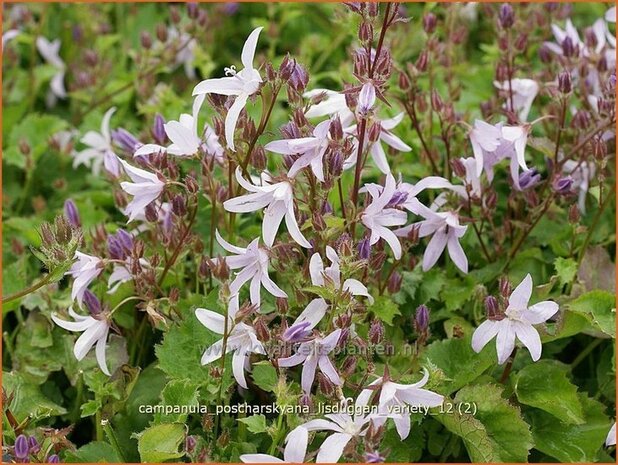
<point>254,263</point>
<point>295,450</point>
<point>314,354</point>
<point>376,149</point>
<point>377,217</point>
<point>50,51</point>
<point>517,323</point>
<point>524,92</point>
<point>8,36</point>
<point>95,331</point>
<point>145,188</point>
<point>611,436</point>
<point>610,17</point>
<point>241,84</point>
<point>183,135</point>
<point>333,105</point>
<point>121,273</point>
<point>581,173</point>
<point>397,397</point>
<point>278,199</point>
<point>211,145</point>
<point>311,150</point>
<point>446,232</point>
<point>85,270</point>
<point>344,426</point>
<point>186,55</point>
<point>99,148</point>
<point>366,98</point>
<point>318,273</point>
<point>241,338</point>
<point>493,143</point>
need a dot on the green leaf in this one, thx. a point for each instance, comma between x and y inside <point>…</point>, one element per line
<point>599,307</point>
<point>502,421</point>
<point>176,395</point>
<point>569,442</point>
<point>93,452</point>
<point>36,130</point>
<point>433,282</point>
<point>265,376</point>
<point>545,385</point>
<point>255,424</point>
<point>28,400</point>
<point>385,309</point>
<point>161,442</point>
<point>566,269</point>
<point>460,364</point>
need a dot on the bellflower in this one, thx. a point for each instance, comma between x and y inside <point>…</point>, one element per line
<point>84,271</point>
<point>254,263</point>
<point>310,149</point>
<point>314,354</point>
<point>524,93</point>
<point>145,188</point>
<point>295,450</point>
<point>100,150</point>
<point>95,331</point>
<point>518,322</point>
<point>241,339</point>
<point>50,51</point>
<point>8,36</point>
<point>395,396</point>
<point>278,198</point>
<point>560,34</point>
<point>581,173</point>
<point>366,98</point>
<point>376,149</point>
<point>333,272</point>
<point>334,104</point>
<point>610,17</point>
<point>183,135</point>
<point>446,232</point>
<point>185,56</point>
<point>211,144</point>
<point>344,426</point>
<point>377,217</point>
<point>121,274</point>
<point>241,84</point>
<point>493,143</point>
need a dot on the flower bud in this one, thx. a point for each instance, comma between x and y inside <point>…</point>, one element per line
<point>545,54</point>
<point>34,445</point>
<point>192,185</point>
<point>325,385</point>
<point>506,16</point>
<point>179,206</point>
<point>377,260</point>
<point>374,457</point>
<point>24,147</point>
<point>563,185</point>
<point>287,67</point>
<point>53,459</point>
<point>372,9</point>
<point>376,332</point>
<point>158,130</point>
<point>374,132</point>
<point>305,400</point>
<point>565,82</point>
<point>162,32</point>
<point>421,319</point>
<point>21,448</point>
<point>72,214</point>
<point>261,330</point>
<point>429,23</point>
<point>521,42</point>
<point>125,140</point>
<point>146,40</point>
<point>348,367</point>
<point>504,285</point>
<point>190,442</point>
<point>365,32</point>
<point>394,283</point>
<point>364,249</point>
<point>529,178</point>
<point>192,12</point>
<point>366,98</point>
<point>92,302</point>
<point>492,309</point>
<point>422,61</point>
<point>458,167</point>
<point>404,81</point>
<point>436,101</point>
<point>299,78</point>
<point>175,15</point>
<point>568,47</point>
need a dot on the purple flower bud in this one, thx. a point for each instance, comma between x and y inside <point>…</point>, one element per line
<point>297,332</point>
<point>326,208</point>
<point>374,457</point>
<point>192,11</point>
<point>421,66</point>
<point>529,179</point>
<point>290,130</point>
<point>190,442</point>
<point>429,23</point>
<point>71,213</point>
<point>125,140</point>
<point>376,332</point>
<point>364,249</point>
<point>612,81</point>
<point>305,400</point>
<point>158,128</point>
<point>111,163</point>
<point>125,239</point>
<point>34,445</point>
<point>563,185</point>
<point>299,78</point>
<point>335,128</point>
<point>366,98</point>
<point>506,16</point>
<point>394,283</point>
<point>568,48</point>
<point>421,319</point>
<point>545,54</point>
<point>92,303</point>
<point>22,449</point>
<point>492,308</point>
<point>397,199</point>
<point>286,68</point>
<point>53,459</point>
<point>565,82</point>
<point>230,8</point>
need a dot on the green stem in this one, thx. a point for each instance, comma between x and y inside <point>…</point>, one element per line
<point>584,353</point>
<point>113,440</point>
<point>28,290</point>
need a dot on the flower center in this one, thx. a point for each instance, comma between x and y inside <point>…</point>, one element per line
<point>231,71</point>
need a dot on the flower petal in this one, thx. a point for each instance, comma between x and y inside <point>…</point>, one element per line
<point>521,294</point>
<point>232,118</point>
<point>248,50</point>
<point>486,331</point>
<point>529,337</point>
<point>540,312</point>
<point>332,448</point>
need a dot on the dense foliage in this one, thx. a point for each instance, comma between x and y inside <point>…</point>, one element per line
<point>222,220</point>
